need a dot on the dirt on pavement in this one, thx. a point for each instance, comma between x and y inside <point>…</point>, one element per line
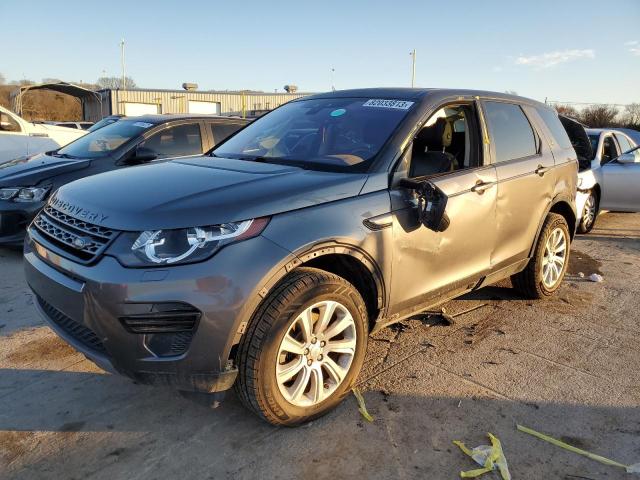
<point>567,366</point>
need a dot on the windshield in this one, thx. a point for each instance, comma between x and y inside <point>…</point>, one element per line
<point>334,134</point>
<point>105,140</point>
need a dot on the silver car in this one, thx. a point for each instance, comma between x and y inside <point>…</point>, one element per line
<point>613,180</point>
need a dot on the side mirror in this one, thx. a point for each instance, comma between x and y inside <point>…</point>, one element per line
<point>432,203</point>
<point>142,155</point>
<point>628,157</point>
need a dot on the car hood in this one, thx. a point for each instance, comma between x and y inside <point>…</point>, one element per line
<point>26,173</point>
<point>200,191</point>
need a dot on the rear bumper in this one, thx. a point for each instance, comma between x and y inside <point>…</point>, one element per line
<point>87,305</point>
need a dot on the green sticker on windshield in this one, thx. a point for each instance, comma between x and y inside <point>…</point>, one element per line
<point>338,112</point>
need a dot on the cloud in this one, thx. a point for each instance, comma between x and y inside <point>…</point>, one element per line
<point>551,59</point>
<point>633,47</point>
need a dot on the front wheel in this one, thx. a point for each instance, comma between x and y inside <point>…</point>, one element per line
<point>548,265</point>
<point>589,213</point>
<point>303,349</point>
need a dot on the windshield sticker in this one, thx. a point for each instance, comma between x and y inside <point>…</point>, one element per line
<point>339,112</point>
<point>142,124</point>
<point>395,104</point>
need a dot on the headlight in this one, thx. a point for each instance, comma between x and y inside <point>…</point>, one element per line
<point>186,245</point>
<point>24,194</point>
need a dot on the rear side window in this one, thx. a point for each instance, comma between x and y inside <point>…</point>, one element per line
<point>560,136</point>
<point>221,131</point>
<point>177,141</point>
<point>511,131</point>
<point>625,145</point>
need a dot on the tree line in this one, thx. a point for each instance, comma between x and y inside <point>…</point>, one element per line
<point>602,115</point>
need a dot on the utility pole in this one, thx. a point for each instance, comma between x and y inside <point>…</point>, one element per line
<point>413,68</point>
<point>333,84</point>
<point>123,86</point>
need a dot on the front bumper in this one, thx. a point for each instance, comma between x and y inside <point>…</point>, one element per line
<point>86,305</point>
<point>14,219</point>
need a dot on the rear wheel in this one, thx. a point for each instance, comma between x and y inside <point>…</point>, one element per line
<point>589,213</point>
<point>547,267</point>
<point>303,349</point>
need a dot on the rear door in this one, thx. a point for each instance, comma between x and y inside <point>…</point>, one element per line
<point>523,167</point>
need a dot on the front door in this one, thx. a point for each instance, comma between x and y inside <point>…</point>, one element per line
<point>429,265</point>
<point>621,185</point>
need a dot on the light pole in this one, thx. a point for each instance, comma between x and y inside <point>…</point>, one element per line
<point>333,85</point>
<point>124,76</point>
<point>413,68</point>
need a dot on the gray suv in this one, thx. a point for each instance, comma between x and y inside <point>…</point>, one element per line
<point>267,263</point>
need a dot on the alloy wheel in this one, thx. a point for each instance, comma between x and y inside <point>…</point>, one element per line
<point>316,353</point>
<point>589,213</point>
<point>555,257</point>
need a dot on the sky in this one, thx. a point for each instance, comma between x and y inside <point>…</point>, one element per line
<point>568,51</point>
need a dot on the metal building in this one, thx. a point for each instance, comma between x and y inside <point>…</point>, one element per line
<point>144,101</point>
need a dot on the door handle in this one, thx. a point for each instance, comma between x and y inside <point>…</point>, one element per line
<point>481,186</point>
<point>542,170</point>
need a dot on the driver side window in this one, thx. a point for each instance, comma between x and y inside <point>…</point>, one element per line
<point>609,150</point>
<point>449,141</point>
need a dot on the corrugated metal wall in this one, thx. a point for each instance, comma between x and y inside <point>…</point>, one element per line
<point>177,101</point>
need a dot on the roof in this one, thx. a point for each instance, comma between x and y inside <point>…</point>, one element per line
<point>168,117</point>
<point>417,94</point>
<point>214,92</point>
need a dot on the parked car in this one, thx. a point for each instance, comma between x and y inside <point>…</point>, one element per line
<point>610,182</point>
<point>267,263</point>
<point>25,184</point>
<point>76,125</point>
<point>21,139</point>
<point>105,121</point>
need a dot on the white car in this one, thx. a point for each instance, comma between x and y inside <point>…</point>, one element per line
<point>613,179</point>
<point>20,139</point>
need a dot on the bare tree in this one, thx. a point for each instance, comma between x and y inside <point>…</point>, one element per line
<point>599,116</point>
<point>3,80</point>
<point>115,82</point>
<point>567,111</point>
<point>631,117</point>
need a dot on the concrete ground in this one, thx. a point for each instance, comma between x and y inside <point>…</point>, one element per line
<point>568,366</point>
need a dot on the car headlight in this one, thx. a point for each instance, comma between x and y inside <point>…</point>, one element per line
<point>186,245</point>
<point>24,194</point>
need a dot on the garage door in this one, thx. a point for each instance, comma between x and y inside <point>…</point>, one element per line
<point>212,108</point>
<point>132,109</point>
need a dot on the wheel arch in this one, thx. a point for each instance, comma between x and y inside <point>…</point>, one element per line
<point>561,206</point>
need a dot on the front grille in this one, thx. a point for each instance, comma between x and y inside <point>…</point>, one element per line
<point>75,238</point>
<point>76,330</point>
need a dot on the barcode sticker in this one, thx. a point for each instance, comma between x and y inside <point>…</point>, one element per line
<point>395,104</point>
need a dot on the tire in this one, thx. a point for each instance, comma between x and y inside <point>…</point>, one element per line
<point>261,355</point>
<point>587,222</point>
<point>532,282</point>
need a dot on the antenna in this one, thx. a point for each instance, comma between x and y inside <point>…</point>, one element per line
<point>413,68</point>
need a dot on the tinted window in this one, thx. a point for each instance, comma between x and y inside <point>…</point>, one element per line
<point>512,134</point>
<point>220,131</point>
<point>625,145</point>
<point>105,140</point>
<point>175,141</point>
<point>552,121</point>
<point>609,149</point>
<point>8,124</point>
<point>336,134</point>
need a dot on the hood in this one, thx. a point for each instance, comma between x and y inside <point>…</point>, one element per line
<point>198,192</point>
<point>27,173</point>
